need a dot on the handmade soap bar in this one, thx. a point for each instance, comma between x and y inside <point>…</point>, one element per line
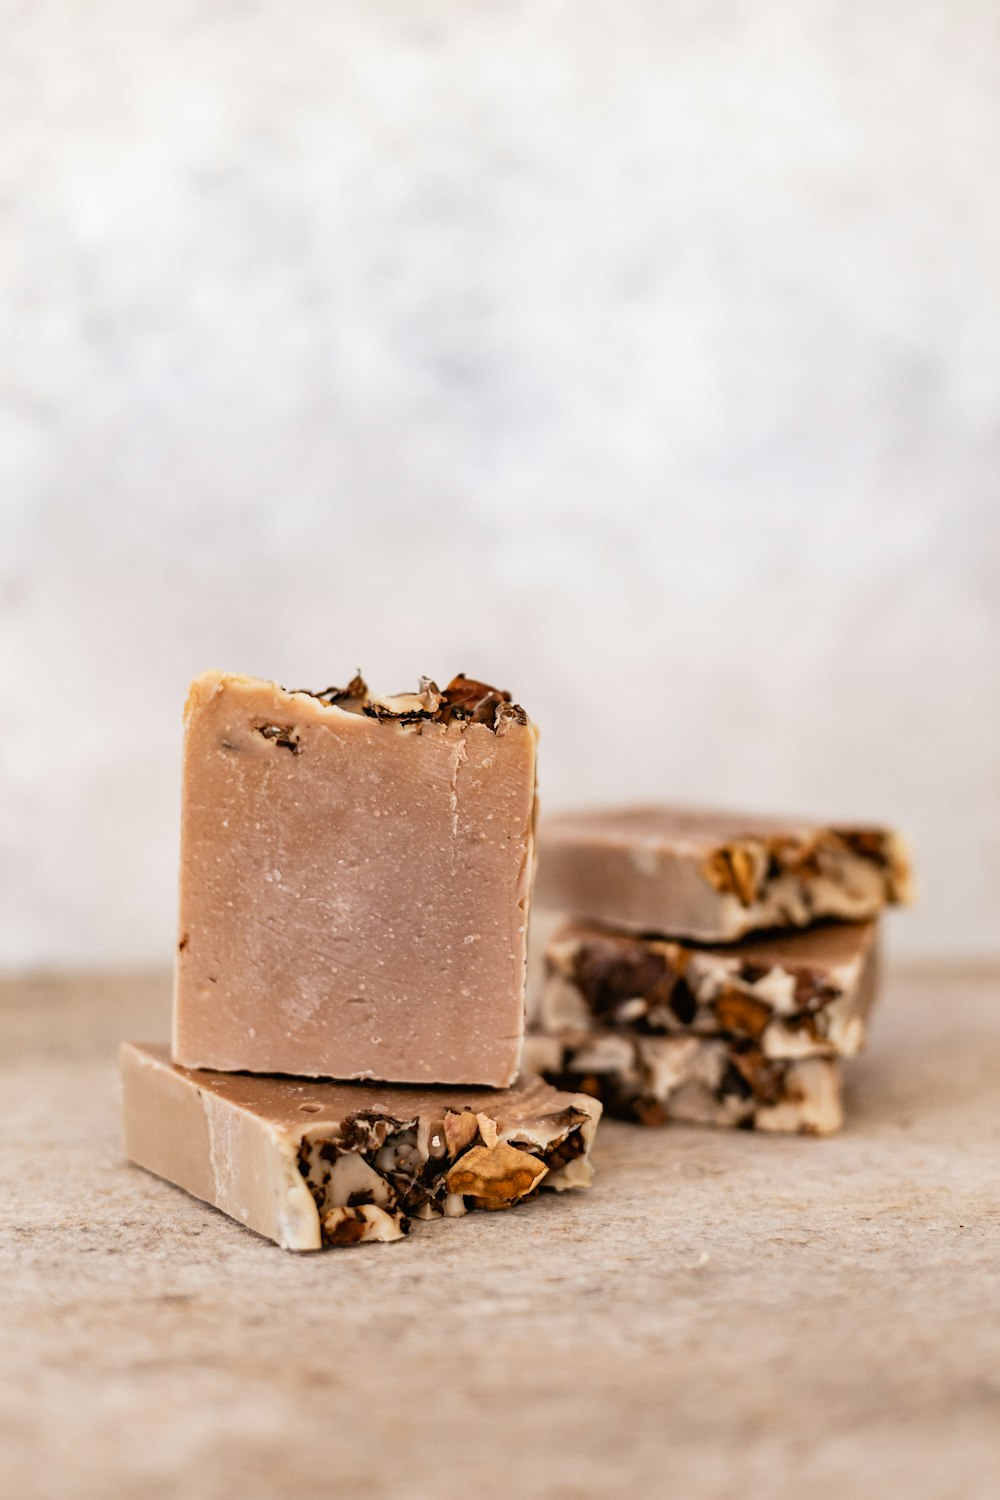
<point>794,994</point>
<point>315,1164</point>
<point>355,875</point>
<point>714,876</point>
<point>705,1081</point>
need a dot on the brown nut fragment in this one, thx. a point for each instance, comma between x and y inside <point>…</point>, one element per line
<point>737,870</point>
<point>741,1014</point>
<point>764,1078</point>
<point>353,1225</point>
<point>285,735</point>
<point>465,698</point>
<point>356,691</point>
<point>495,1177</point>
<point>460,1130</point>
<point>508,714</point>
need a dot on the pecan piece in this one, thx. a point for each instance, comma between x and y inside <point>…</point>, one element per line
<point>495,1177</point>
<point>744,1015</point>
<point>738,870</point>
<point>460,1130</point>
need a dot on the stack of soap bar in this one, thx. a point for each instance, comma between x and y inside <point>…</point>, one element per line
<point>656,1002</point>
<point>355,880</point>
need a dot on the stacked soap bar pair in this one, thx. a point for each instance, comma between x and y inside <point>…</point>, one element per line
<point>716,968</point>
<point>355,879</point>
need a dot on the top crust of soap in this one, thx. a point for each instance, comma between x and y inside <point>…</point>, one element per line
<point>463,700</point>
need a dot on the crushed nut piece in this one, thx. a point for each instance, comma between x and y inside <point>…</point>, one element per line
<point>738,870</point>
<point>742,1014</point>
<point>285,735</point>
<point>355,691</point>
<point>463,699</point>
<point>495,1177</point>
<point>353,1225</point>
<point>460,1130</point>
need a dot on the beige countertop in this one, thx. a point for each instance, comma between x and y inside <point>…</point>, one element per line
<point>724,1315</point>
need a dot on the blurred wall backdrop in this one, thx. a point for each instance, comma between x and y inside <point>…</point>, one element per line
<point>641,355</point>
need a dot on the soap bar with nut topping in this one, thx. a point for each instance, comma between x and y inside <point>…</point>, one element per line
<point>793,994</point>
<point>699,1080</point>
<point>715,876</point>
<point>315,1164</point>
<point>355,877</point>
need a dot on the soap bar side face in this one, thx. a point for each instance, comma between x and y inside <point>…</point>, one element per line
<point>354,890</point>
<point>712,876</point>
<point>216,1151</point>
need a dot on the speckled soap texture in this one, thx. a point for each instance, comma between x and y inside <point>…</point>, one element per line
<point>355,880</point>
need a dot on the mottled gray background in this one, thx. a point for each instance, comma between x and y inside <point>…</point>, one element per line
<point>640,355</point>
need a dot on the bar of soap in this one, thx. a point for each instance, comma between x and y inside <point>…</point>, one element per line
<point>355,878</point>
<point>312,1165</point>
<point>793,994</point>
<point>715,876</point>
<point>698,1080</point>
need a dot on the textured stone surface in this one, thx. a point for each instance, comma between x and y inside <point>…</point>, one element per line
<point>723,1316</point>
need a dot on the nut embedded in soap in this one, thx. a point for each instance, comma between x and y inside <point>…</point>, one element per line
<point>355,878</point>
<point>699,1080</point>
<point>314,1165</point>
<point>495,1176</point>
<point>793,994</point>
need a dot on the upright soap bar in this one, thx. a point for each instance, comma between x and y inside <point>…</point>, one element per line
<point>355,878</point>
<point>792,994</point>
<point>312,1165</point>
<point>715,876</point>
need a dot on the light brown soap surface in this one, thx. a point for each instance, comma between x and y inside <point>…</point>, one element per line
<point>794,994</point>
<point>715,876</point>
<point>312,1164</point>
<point>354,888</point>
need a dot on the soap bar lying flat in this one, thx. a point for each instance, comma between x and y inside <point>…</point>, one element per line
<point>792,993</point>
<point>704,1081</point>
<point>355,876</point>
<point>714,876</point>
<point>316,1164</point>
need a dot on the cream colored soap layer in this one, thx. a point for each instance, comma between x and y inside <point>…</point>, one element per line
<point>354,890</point>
